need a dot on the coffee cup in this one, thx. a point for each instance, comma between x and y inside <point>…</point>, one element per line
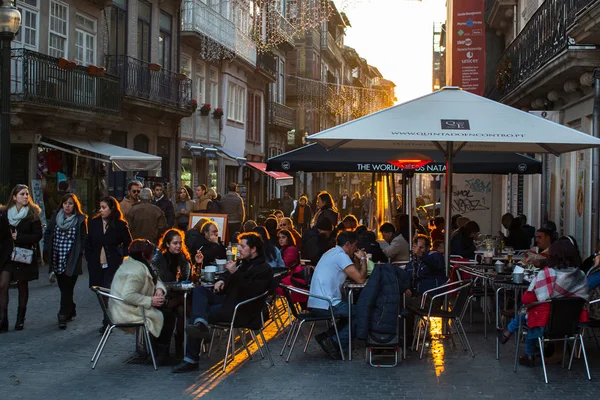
<point>209,273</point>
<point>221,265</point>
<point>517,277</point>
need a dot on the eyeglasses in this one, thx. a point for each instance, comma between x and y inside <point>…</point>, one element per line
<point>135,191</point>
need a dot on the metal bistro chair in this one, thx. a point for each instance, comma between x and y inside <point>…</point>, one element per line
<point>256,326</point>
<point>563,326</point>
<point>305,316</point>
<point>102,294</point>
<point>432,307</point>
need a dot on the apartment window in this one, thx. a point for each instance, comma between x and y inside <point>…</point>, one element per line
<point>118,27</point>
<point>27,36</point>
<point>235,102</point>
<point>85,40</point>
<point>213,87</point>
<point>164,40</point>
<point>143,33</point>
<point>57,36</point>
<point>281,81</point>
<point>253,119</point>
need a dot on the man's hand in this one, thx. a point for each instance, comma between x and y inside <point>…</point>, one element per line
<point>158,301</point>
<point>231,267</point>
<point>219,286</point>
<point>360,254</point>
<point>408,293</point>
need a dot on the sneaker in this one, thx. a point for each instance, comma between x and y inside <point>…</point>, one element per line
<point>198,331</point>
<point>52,277</point>
<point>185,367</point>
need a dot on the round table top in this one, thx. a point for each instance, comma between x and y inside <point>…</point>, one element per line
<point>510,284</point>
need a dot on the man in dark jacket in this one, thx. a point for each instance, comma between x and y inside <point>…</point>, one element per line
<point>252,277</point>
<point>315,241</point>
<point>427,268</point>
<point>146,220</point>
<point>207,241</point>
<point>164,204</point>
<point>232,204</point>
<point>286,204</point>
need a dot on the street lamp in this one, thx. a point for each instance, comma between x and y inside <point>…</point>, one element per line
<point>10,21</point>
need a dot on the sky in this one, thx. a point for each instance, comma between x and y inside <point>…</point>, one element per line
<point>396,36</point>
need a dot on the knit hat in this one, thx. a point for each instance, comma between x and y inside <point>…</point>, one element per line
<point>325,225</point>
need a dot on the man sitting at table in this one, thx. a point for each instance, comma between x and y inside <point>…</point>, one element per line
<point>342,262</point>
<point>427,267</point>
<point>252,277</point>
<point>398,244</point>
<point>538,256</point>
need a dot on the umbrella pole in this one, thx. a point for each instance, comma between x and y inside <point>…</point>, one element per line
<point>390,200</point>
<point>434,194</point>
<point>394,193</point>
<point>404,193</point>
<point>448,204</point>
<point>372,200</point>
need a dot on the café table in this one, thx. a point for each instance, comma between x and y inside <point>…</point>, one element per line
<point>506,284</point>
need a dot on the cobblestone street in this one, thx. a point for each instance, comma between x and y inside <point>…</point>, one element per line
<point>43,362</point>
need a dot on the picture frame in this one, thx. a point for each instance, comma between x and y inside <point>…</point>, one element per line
<point>219,219</point>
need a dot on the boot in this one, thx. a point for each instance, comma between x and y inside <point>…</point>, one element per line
<point>3,321</point>
<point>20,324</point>
<point>62,321</point>
<point>73,313</point>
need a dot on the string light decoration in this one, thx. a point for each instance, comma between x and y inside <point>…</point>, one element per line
<point>308,14</point>
<point>270,28</point>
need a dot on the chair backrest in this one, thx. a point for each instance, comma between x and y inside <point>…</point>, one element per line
<point>428,294</point>
<point>103,295</point>
<point>564,316</point>
<point>288,297</point>
<point>461,292</point>
<point>254,306</point>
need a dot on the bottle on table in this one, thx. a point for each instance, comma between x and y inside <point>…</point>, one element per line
<point>229,253</point>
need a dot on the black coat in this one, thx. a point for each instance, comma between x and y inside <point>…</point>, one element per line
<point>166,269</point>
<point>73,266</point>
<point>252,278</point>
<point>167,207</point>
<point>29,234</point>
<point>314,245</point>
<point>6,244</point>
<point>194,240</point>
<point>115,241</point>
<point>328,213</point>
<point>462,246</point>
<point>379,302</point>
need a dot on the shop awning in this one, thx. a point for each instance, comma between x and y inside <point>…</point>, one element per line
<point>281,178</point>
<point>121,158</point>
<point>226,153</point>
<point>199,149</point>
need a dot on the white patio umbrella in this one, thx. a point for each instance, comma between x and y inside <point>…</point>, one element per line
<point>453,120</point>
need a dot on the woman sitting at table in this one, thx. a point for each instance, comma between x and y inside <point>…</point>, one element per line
<point>463,242</point>
<point>562,276</point>
<point>288,249</point>
<point>206,239</point>
<point>272,253</point>
<point>139,286</point>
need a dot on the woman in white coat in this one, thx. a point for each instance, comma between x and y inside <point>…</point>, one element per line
<point>137,283</point>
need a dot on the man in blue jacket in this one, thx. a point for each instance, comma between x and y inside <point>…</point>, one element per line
<point>426,267</point>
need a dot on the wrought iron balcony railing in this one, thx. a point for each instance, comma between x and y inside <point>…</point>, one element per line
<point>205,20</point>
<point>267,63</point>
<point>145,81</point>
<point>285,29</point>
<point>328,43</point>
<point>37,78</point>
<point>281,115</point>
<point>543,38</point>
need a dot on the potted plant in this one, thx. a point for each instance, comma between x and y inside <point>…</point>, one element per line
<point>154,67</point>
<point>96,71</point>
<point>181,77</point>
<point>205,109</point>
<point>218,113</point>
<point>193,105</point>
<point>66,64</point>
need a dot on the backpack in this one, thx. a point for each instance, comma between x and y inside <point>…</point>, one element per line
<point>302,278</point>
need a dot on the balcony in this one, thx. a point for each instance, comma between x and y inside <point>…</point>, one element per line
<point>198,19</point>
<point>142,81</point>
<point>281,116</point>
<point>285,29</point>
<point>331,48</point>
<point>583,26</point>
<point>38,79</point>
<point>498,10</point>
<point>541,59</point>
<point>245,47</point>
<point>267,65</point>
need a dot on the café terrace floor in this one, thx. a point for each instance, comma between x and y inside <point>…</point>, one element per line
<point>43,362</point>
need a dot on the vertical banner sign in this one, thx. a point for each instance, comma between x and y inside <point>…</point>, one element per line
<point>468,45</point>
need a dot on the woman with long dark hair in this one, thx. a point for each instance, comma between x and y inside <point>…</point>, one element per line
<point>64,242</point>
<point>183,207</point>
<point>107,243</point>
<point>272,253</point>
<point>357,205</point>
<point>26,231</point>
<point>326,209</point>
<point>288,249</point>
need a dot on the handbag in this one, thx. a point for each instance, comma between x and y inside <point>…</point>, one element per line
<point>22,255</point>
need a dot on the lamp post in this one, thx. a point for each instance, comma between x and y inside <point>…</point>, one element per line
<point>10,21</point>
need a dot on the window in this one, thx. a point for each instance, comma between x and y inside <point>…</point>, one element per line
<point>213,88</point>
<point>118,27</point>
<point>57,36</point>
<point>85,41</point>
<point>164,41</point>
<point>27,36</point>
<point>253,119</point>
<point>143,32</point>
<point>235,103</point>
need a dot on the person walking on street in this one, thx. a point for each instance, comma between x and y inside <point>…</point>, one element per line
<point>326,209</point>
<point>203,198</point>
<point>357,205</point>
<point>286,204</point>
<point>344,204</point>
<point>183,207</point>
<point>133,197</point>
<point>302,214</point>
<point>26,231</point>
<point>64,242</point>
<point>146,221</point>
<point>162,202</point>
<point>232,204</point>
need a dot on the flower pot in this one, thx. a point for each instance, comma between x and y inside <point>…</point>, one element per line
<point>154,67</point>
<point>204,112</point>
<point>217,115</point>
<point>66,64</point>
<point>95,71</point>
<point>181,77</point>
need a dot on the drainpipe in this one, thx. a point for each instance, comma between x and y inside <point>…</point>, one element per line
<point>595,163</point>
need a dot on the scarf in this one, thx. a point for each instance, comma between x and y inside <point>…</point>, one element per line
<point>14,217</point>
<point>64,224</point>
<point>554,283</point>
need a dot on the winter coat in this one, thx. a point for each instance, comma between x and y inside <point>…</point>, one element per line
<point>308,214</point>
<point>398,250</point>
<point>167,270</point>
<point>167,208</point>
<point>287,205</point>
<point>29,234</point>
<point>134,284</point>
<point>73,266</point>
<point>232,204</point>
<point>357,208</point>
<point>379,302</point>
<point>431,272</point>
<point>126,205</point>
<point>314,245</point>
<point>115,242</point>
<point>201,204</point>
<point>194,240</point>
<point>252,278</point>
<point>6,243</point>
<point>462,246</point>
<point>518,240</point>
<point>329,214</point>
<point>146,221</point>
<point>290,256</point>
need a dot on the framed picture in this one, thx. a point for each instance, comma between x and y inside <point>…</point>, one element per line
<point>219,219</point>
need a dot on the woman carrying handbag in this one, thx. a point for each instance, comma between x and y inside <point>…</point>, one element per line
<point>64,242</point>
<point>22,263</point>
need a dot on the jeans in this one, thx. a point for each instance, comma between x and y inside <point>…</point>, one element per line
<point>205,306</point>
<point>66,284</point>
<point>340,311</point>
<point>532,333</point>
<point>593,281</point>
